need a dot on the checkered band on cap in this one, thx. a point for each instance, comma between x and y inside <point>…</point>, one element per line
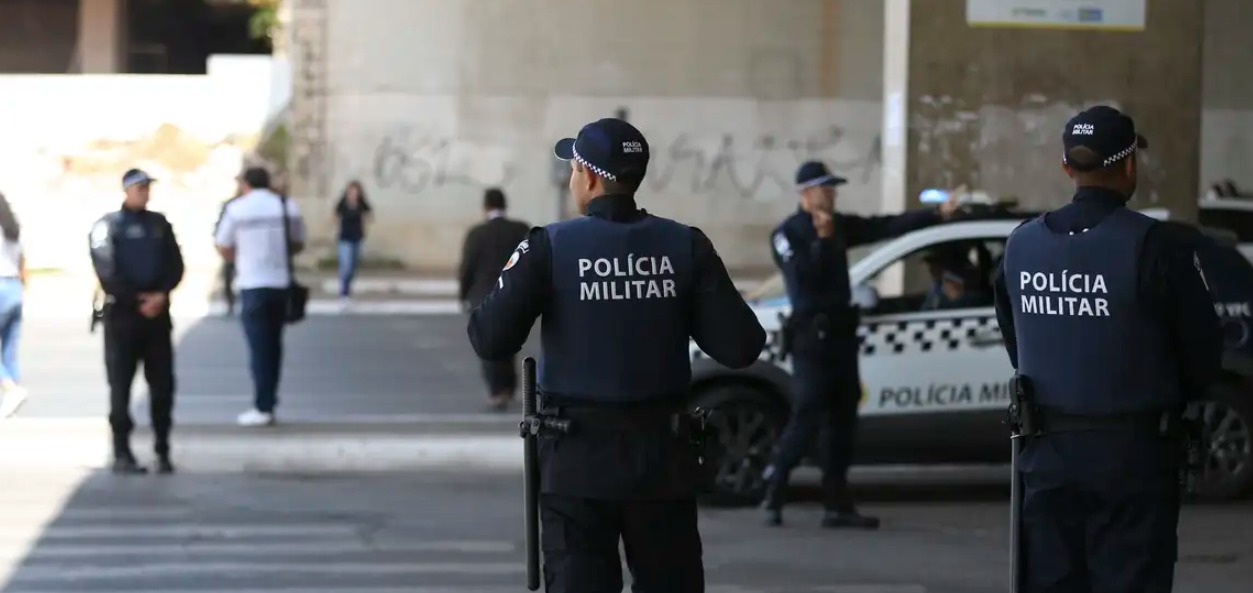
<point>1122,154</point>
<point>597,170</point>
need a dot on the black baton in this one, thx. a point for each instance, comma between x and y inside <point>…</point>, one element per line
<point>530,458</point>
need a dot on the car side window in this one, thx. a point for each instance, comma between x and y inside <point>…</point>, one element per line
<point>950,275</point>
<point>1239,222</point>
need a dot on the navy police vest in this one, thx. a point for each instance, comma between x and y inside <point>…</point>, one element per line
<point>1087,341</point>
<point>616,328</point>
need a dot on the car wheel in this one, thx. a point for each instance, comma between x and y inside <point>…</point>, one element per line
<point>1228,417</point>
<point>747,422</point>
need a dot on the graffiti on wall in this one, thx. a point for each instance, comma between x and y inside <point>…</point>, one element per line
<point>757,166</point>
<point>408,160</point>
<point>412,162</point>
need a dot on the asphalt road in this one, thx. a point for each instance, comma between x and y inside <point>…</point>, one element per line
<point>438,509</point>
<point>358,368</point>
<point>460,532</point>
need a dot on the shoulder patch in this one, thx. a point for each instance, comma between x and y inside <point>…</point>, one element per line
<point>782,246</point>
<point>522,248</point>
<point>99,233</point>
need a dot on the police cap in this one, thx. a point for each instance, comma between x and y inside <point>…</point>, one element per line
<point>612,148</point>
<point>814,173</point>
<point>135,177</point>
<point>1108,135</point>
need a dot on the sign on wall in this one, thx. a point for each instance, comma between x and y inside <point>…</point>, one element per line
<point>1106,15</point>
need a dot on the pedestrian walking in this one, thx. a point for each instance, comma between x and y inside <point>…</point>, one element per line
<point>261,231</point>
<point>12,289</point>
<point>487,247</point>
<point>811,249</point>
<point>353,212</point>
<point>227,271</point>
<point>1109,324</point>
<point>619,292</point>
<point>138,263</point>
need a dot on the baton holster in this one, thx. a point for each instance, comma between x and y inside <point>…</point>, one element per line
<point>1023,416</point>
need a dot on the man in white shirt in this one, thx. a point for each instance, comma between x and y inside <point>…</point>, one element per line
<point>251,235</point>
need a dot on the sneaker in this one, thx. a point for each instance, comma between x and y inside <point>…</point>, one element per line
<point>14,397</point>
<point>255,417</point>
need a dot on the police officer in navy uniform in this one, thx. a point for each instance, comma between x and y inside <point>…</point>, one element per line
<point>1107,314</point>
<point>138,263</point>
<point>619,292</point>
<point>810,248</point>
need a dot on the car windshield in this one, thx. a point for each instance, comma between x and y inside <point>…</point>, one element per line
<point>773,288</point>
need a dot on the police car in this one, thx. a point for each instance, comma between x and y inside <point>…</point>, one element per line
<point>934,383</point>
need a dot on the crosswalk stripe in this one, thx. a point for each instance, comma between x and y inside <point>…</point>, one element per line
<point>271,548</point>
<point>79,572</point>
<point>182,531</point>
<point>514,589</point>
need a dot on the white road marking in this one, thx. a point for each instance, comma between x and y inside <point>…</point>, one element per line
<point>272,549</point>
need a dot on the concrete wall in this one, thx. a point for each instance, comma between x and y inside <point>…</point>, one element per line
<point>430,101</point>
<point>1227,118</point>
<point>987,105</point>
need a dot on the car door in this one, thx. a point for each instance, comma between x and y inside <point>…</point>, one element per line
<point>947,358</point>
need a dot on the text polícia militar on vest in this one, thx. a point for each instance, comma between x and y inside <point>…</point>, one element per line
<point>622,278</point>
<point>1068,294</point>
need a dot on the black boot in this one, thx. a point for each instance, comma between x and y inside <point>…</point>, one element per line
<point>164,466</point>
<point>835,519</point>
<point>776,488</point>
<point>124,462</point>
<point>839,511</point>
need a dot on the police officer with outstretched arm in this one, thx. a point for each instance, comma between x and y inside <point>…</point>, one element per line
<point>1109,324</point>
<point>810,248</point>
<point>619,291</point>
<point>138,263</point>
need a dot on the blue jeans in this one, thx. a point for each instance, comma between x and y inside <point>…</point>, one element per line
<point>10,326</point>
<point>349,255</point>
<point>262,311</point>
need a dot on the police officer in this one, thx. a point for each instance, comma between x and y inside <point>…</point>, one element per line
<point>1107,315</point>
<point>619,292</point>
<point>810,248</point>
<point>138,263</point>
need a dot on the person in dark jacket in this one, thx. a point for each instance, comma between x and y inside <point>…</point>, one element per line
<point>618,292</point>
<point>138,263</point>
<point>811,250</point>
<point>353,212</point>
<point>487,247</point>
<point>1108,316</point>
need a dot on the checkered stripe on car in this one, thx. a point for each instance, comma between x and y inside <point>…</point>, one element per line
<point>921,335</point>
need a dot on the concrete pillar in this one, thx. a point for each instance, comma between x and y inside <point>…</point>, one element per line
<point>985,105</point>
<point>102,36</point>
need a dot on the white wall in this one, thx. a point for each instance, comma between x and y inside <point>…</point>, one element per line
<point>68,138</point>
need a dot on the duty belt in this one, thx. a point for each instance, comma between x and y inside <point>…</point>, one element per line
<point>1161,422</point>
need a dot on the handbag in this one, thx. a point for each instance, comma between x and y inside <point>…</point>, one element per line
<point>297,297</point>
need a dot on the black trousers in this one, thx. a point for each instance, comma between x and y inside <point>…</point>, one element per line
<point>130,339</point>
<point>1100,513</point>
<point>580,542</point>
<point>826,390</point>
<point>501,375</point>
